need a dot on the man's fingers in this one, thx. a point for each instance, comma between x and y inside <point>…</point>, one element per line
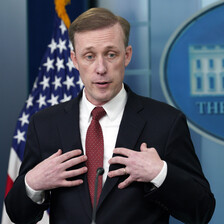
<point>68,155</point>
<point>118,172</point>
<point>74,173</point>
<point>74,161</point>
<point>118,160</point>
<point>73,183</point>
<point>143,147</point>
<point>121,172</point>
<point>56,154</point>
<point>123,151</point>
<point>125,183</point>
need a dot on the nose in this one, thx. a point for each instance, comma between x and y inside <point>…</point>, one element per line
<point>101,67</point>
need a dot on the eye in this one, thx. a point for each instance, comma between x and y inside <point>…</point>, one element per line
<point>89,57</point>
<point>111,55</point>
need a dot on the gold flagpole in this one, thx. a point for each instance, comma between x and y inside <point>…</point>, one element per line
<point>61,11</point>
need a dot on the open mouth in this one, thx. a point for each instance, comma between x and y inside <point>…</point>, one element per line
<point>102,83</point>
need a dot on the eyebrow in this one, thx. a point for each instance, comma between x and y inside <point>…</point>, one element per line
<point>113,48</point>
<point>107,48</point>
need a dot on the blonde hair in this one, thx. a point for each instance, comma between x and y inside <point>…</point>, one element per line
<point>96,18</point>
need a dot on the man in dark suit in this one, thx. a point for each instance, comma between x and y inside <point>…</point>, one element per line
<point>151,169</point>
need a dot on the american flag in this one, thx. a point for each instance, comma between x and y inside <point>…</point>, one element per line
<point>57,81</point>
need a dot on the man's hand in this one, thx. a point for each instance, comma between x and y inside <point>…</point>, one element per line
<point>52,172</point>
<point>141,166</point>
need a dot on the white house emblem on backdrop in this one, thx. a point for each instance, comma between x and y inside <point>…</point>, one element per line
<point>192,71</point>
<point>206,70</point>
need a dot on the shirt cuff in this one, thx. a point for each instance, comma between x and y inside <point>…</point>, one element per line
<point>159,179</point>
<point>36,196</point>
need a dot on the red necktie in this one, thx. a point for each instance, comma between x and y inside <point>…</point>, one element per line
<point>94,150</point>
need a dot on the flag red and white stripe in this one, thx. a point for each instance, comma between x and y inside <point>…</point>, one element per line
<point>57,81</point>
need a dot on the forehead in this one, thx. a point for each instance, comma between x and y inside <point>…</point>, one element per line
<point>110,36</point>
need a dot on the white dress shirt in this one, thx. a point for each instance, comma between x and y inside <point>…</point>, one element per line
<point>110,124</point>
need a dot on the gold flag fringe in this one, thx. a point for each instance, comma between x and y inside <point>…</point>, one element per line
<point>61,11</point>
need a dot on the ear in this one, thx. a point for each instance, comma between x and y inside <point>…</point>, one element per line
<point>74,60</point>
<point>128,55</point>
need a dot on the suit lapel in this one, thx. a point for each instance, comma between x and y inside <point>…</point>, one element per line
<point>130,129</point>
<point>68,128</point>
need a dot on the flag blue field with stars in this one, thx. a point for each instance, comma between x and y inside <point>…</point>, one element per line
<point>57,81</point>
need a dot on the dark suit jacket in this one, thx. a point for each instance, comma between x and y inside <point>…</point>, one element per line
<point>185,193</point>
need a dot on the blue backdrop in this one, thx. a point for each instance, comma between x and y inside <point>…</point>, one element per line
<point>153,23</point>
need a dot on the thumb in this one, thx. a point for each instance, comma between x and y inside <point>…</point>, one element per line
<point>58,153</point>
<point>143,147</point>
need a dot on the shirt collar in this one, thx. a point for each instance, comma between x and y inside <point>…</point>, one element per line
<point>114,107</point>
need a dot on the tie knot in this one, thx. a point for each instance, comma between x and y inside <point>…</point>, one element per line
<point>98,113</point>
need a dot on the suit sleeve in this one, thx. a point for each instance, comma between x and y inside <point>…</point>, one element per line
<point>20,208</point>
<point>185,193</point>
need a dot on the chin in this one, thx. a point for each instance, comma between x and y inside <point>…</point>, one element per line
<point>102,100</point>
